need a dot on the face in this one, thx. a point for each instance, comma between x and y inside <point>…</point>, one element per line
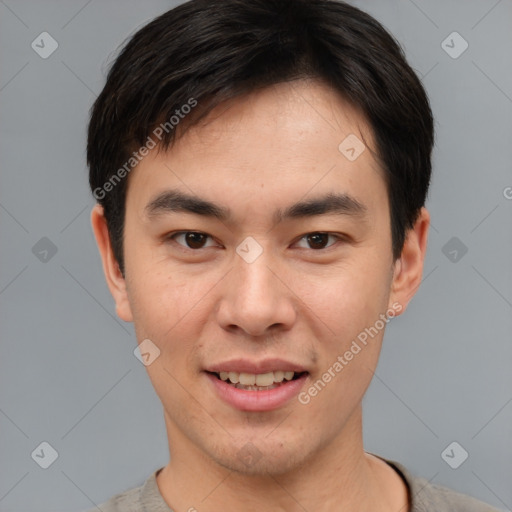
<point>253,285</point>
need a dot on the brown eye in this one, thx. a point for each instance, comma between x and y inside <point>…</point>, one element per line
<point>193,239</point>
<point>318,241</point>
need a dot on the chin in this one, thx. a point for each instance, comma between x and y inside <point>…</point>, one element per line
<point>262,458</point>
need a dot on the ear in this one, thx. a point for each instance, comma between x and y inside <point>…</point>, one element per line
<point>408,269</point>
<point>115,280</point>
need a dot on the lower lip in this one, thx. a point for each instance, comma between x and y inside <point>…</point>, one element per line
<point>266,400</point>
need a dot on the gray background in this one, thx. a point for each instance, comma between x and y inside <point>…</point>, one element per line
<point>68,374</point>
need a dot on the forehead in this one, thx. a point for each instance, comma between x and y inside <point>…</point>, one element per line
<point>283,116</point>
<point>286,140</point>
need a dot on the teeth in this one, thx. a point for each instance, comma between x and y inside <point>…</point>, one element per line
<point>261,379</point>
<point>246,379</point>
<point>255,388</point>
<point>278,376</point>
<point>265,379</point>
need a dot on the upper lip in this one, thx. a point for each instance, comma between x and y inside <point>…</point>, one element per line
<point>256,367</point>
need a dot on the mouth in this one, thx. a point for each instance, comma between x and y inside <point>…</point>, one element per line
<point>257,392</point>
<point>257,382</point>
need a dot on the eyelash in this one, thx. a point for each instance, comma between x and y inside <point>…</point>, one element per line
<point>172,237</point>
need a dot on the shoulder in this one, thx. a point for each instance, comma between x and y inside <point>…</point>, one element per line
<point>427,497</point>
<point>144,497</point>
<point>127,501</point>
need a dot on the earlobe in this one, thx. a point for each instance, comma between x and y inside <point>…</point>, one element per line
<point>115,280</point>
<point>408,268</point>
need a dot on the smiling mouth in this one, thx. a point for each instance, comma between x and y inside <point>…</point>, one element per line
<point>257,382</point>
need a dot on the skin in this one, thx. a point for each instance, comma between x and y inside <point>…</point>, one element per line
<point>296,301</point>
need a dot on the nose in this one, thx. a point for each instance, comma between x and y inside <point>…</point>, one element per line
<point>256,298</point>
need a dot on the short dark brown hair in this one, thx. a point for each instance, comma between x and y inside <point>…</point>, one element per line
<point>202,53</point>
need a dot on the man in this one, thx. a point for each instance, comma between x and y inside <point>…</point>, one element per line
<point>261,169</point>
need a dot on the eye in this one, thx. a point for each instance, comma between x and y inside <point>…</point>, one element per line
<point>197,240</point>
<point>318,240</point>
<point>192,239</point>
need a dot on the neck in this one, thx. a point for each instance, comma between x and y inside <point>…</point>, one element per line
<point>339,476</point>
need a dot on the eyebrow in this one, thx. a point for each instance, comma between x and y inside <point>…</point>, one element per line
<point>171,201</point>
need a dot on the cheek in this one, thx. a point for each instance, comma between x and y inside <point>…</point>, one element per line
<point>355,303</point>
<point>347,298</point>
<point>155,305</point>
<point>349,341</point>
<point>168,311</point>
<point>172,311</point>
